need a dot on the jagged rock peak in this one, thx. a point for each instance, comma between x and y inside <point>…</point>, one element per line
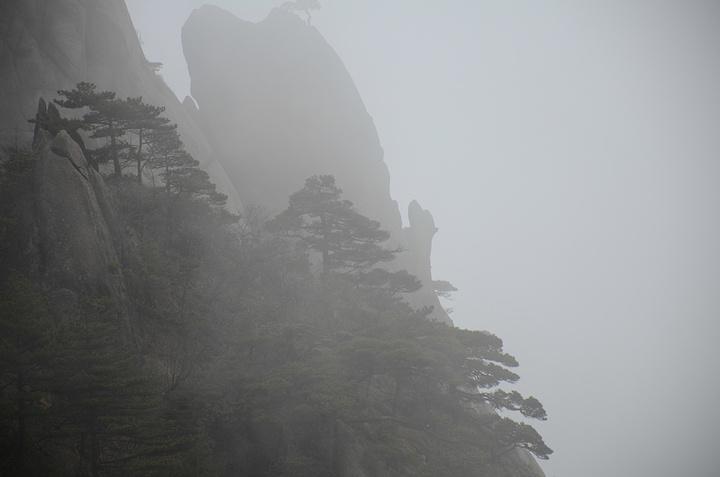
<point>417,240</point>
<point>421,219</point>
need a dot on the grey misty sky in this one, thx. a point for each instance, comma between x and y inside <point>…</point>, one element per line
<point>569,152</point>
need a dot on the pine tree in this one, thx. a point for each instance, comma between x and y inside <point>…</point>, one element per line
<point>142,121</point>
<point>105,120</point>
<point>108,401</point>
<point>166,153</point>
<point>116,121</point>
<point>346,240</point>
<point>25,360</point>
<point>192,182</point>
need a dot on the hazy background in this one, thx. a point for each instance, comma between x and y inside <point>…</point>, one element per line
<point>570,153</point>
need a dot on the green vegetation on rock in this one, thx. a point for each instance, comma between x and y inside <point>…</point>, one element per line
<point>256,346</point>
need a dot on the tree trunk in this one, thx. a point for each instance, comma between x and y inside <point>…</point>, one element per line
<point>336,463</point>
<point>116,159</point>
<point>396,396</point>
<point>324,247</point>
<point>94,455</point>
<point>138,157</point>
<point>21,433</point>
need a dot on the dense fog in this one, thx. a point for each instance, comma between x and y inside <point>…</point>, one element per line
<point>569,155</point>
<point>341,238</point>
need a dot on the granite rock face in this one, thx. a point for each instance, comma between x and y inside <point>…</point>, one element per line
<point>278,106</point>
<point>47,45</point>
<point>77,253</point>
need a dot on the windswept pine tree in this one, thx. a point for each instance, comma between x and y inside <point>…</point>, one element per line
<point>326,223</point>
<point>127,128</point>
<point>103,120</point>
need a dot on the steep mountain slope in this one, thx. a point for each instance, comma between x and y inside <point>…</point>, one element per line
<point>78,240</point>
<point>47,45</point>
<point>75,244</point>
<point>278,105</point>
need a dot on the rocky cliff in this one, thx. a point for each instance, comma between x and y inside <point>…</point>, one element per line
<point>73,241</point>
<point>278,105</point>
<point>47,45</point>
<point>285,108</point>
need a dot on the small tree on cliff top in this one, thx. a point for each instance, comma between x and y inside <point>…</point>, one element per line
<point>305,6</point>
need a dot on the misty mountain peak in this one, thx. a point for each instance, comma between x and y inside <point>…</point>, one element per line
<point>285,108</point>
<point>283,95</point>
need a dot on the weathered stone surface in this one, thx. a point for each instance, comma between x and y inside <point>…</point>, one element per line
<point>47,45</point>
<point>77,250</point>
